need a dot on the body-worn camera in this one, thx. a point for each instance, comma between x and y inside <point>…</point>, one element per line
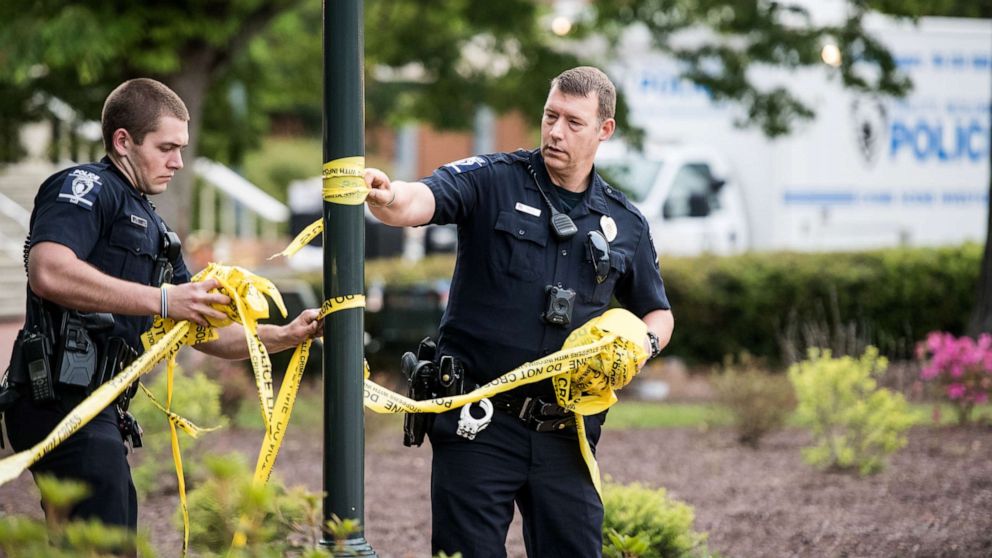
<point>171,245</point>
<point>561,302</point>
<point>428,381</point>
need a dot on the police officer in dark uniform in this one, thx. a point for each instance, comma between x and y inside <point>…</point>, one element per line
<point>97,256</point>
<point>544,244</point>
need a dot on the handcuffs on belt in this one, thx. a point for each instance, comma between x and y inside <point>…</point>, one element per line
<point>469,426</point>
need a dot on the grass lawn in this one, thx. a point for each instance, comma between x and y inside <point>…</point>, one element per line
<point>625,415</point>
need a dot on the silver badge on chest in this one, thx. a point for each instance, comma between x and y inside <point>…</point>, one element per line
<point>609,227</point>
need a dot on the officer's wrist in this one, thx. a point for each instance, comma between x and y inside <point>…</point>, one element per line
<point>654,345</point>
<point>153,302</point>
<point>275,338</point>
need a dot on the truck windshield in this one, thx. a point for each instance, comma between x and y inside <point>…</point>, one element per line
<point>633,177</point>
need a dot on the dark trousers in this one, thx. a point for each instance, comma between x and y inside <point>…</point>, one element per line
<point>95,455</point>
<point>475,483</point>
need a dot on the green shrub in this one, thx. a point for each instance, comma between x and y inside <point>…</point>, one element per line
<point>642,522</point>
<point>276,520</point>
<point>196,398</point>
<point>401,272</point>
<point>56,537</point>
<point>774,303</point>
<point>280,160</point>
<point>855,424</point>
<point>754,300</point>
<point>758,402</point>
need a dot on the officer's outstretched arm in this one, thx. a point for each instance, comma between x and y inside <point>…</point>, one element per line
<point>231,342</point>
<point>660,323</point>
<point>56,274</point>
<point>400,204</point>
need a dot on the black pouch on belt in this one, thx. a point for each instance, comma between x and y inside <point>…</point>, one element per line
<point>420,373</point>
<point>117,356</point>
<point>428,381</point>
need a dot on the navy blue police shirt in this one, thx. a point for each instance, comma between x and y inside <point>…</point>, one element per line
<point>508,255</point>
<point>95,211</point>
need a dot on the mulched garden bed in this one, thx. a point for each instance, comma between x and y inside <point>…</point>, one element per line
<point>934,499</point>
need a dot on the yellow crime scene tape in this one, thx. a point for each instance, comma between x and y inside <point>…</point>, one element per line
<point>601,356</point>
<point>596,359</point>
<point>343,183</point>
<point>162,342</point>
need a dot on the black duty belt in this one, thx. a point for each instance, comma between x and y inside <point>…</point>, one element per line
<point>536,414</point>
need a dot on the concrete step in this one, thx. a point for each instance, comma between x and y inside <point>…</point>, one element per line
<point>11,231</point>
<point>12,283</point>
<point>20,181</point>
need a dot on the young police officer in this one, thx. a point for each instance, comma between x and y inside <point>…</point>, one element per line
<point>544,243</point>
<point>96,245</point>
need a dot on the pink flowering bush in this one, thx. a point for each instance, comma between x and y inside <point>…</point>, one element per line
<point>962,366</point>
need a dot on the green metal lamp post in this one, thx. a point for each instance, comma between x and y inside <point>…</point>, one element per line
<point>344,274</point>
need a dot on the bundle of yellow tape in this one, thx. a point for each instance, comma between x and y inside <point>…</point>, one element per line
<point>598,358</point>
<point>162,342</point>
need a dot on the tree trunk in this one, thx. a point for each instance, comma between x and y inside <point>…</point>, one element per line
<point>191,84</point>
<point>981,316</point>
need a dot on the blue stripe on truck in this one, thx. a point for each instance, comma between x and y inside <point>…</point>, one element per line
<point>799,197</point>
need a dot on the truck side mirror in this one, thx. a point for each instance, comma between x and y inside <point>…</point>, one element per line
<point>699,205</point>
<point>717,184</point>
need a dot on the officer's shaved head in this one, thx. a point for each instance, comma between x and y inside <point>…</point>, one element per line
<point>582,81</point>
<point>137,105</point>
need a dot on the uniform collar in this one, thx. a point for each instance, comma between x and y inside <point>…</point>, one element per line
<point>595,198</point>
<point>131,189</point>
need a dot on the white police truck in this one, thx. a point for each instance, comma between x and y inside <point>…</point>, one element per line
<point>867,172</point>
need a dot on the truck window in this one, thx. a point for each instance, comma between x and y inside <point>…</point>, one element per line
<point>694,193</point>
<point>633,177</point>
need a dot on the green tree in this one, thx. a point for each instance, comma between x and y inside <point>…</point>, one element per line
<point>212,54</point>
<point>78,51</point>
<point>237,61</point>
<point>981,315</point>
<point>748,33</point>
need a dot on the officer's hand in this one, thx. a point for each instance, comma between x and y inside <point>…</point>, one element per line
<point>382,193</point>
<point>193,302</point>
<point>305,326</point>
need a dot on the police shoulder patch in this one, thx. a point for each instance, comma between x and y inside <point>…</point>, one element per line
<point>467,164</point>
<point>654,251</point>
<point>80,188</point>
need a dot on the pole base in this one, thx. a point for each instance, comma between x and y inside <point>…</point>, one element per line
<point>351,547</point>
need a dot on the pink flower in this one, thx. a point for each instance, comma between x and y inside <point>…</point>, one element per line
<point>934,341</point>
<point>929,372</point>
<point>956,391</point>
<point>985,342</point>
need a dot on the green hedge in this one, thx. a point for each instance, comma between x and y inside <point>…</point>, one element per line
<point>755,302</point>
<point>763,303</point>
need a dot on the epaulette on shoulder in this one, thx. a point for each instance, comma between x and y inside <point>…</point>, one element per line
<point>476,162</point>
<point>98,168</point>
<point>615,194</point>
<point>468,164</point>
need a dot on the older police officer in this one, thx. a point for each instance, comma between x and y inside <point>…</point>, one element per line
<point>544,243</point>
<point>96,245</point>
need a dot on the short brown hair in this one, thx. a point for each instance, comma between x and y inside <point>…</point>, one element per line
<point>583,80</point>
<point>137,105</point>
